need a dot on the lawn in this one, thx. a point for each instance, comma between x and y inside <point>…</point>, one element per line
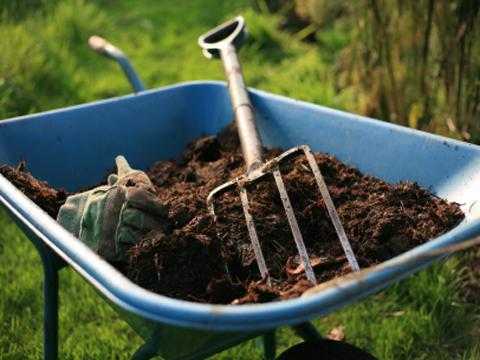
<point>46,64</point>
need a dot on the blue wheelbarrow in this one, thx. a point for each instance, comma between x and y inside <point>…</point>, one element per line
<point>68,148</point>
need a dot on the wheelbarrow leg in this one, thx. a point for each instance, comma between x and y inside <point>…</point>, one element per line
<point>307,332</point>
<point>149,349</point>
<point>144,352</point>
<point>269,345</point>
<point>51,263</point>
<point>50,312</point>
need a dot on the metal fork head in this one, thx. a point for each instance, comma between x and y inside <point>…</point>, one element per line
<point>271,167</point>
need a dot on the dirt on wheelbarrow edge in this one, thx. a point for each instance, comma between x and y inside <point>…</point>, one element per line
<point>198,260</point>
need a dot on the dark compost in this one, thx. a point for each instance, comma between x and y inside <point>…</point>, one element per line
<point>191,258</point>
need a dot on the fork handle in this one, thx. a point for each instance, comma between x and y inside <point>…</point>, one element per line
<point>242,109</point>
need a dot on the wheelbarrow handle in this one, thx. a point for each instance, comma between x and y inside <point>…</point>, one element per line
<point>223,42</point>
<point>102,46</point>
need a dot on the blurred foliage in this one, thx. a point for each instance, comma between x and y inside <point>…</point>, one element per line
<point>17,10</point>
<point>33,49</point>
<point>416,63</point>
<point>46,63</point>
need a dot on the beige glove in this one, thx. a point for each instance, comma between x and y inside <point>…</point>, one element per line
<point>110,219</point>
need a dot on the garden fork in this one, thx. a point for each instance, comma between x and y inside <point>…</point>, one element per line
<point>223,42</point>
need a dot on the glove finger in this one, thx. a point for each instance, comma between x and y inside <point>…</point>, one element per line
<point>131,217</point>
<point>123,167</point>
<point>136,218</point>
<point>128,235</point>
<point>112,179</point>
<point>110,217</point>
<point>146,201</point>
<point>129,231</point>
<point>136,179</point>
<point>151,222</point>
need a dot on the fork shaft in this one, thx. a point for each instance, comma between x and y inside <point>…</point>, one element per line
<point>242,108</point>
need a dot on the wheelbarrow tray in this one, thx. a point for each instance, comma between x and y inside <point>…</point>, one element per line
<point>75,147</point>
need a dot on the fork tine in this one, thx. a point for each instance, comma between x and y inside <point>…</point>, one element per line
<point>252,232</point>
<point>331,208</point>
<point>292,220</point>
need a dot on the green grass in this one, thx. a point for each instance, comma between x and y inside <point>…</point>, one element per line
<point>45,64</point>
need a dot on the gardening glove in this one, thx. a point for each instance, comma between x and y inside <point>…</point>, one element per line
<point>110,219</point>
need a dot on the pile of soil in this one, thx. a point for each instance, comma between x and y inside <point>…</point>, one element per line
<point>199,260</point>
<point>39,192</point>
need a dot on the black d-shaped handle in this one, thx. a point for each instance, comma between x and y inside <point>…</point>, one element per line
<point>232,32</point>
